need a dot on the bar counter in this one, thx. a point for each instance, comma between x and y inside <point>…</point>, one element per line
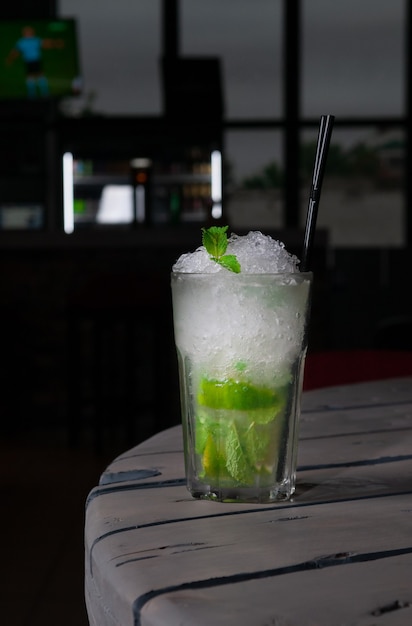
<point>339,553</point>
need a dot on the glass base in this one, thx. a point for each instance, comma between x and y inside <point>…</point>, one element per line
<point>251,495</point>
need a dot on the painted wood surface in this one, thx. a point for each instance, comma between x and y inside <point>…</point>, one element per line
<point>339,554</point>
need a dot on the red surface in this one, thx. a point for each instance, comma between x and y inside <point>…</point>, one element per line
<point>325,369</point>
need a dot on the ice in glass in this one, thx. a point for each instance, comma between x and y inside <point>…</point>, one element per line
<point>241,340</point>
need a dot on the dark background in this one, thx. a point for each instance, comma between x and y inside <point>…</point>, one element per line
<point>80,314</point>
<point>87,361</point>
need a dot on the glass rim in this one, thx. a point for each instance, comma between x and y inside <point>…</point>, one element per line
<point>243,274</point>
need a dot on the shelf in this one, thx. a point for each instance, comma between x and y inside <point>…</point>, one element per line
<point>177,187</point>
<point>157,179</point>
<point>99,180</point>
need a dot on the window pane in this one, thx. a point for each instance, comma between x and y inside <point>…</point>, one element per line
<point>362,197</point>
<point>249,43</point>
<point>120,48</point>
<point>352,57</point>
<point>254,179</point>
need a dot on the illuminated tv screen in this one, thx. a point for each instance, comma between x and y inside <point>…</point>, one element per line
<point>39,59</point>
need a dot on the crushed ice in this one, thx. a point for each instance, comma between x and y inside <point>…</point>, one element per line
<point>256,253</point>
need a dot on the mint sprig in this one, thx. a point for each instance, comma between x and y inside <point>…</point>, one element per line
<point>214,240</point>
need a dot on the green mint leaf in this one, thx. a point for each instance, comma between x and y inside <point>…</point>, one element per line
<point>214,240</point>
<point>230,262</point>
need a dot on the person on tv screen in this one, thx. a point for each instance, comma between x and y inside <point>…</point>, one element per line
<point>29,47</point>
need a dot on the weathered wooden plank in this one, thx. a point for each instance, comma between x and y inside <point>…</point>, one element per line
<point>335,468</point>
<point>343,450</point>
<point>138,560</point>
<point>126,511</point>
<point>366,463</point>
<point>379,392</point>
<point>333,595</point>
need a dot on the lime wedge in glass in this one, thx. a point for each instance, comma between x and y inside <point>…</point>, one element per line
<point>236,395</point>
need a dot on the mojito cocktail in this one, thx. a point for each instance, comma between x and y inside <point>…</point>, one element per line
<point>241,343</point>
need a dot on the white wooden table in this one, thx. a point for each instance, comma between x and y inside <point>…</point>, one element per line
<point>340,554</point>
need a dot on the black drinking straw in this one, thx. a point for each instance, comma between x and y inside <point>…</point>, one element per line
<point>325,132</point>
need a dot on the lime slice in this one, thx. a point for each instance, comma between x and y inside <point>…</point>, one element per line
<point>206,426</point>
<point>236,395</point>
<point>210,436</point>
<point>211,458</point>
<point>208,444</point>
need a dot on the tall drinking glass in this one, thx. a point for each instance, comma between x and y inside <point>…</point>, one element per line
<point>241,342</point>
